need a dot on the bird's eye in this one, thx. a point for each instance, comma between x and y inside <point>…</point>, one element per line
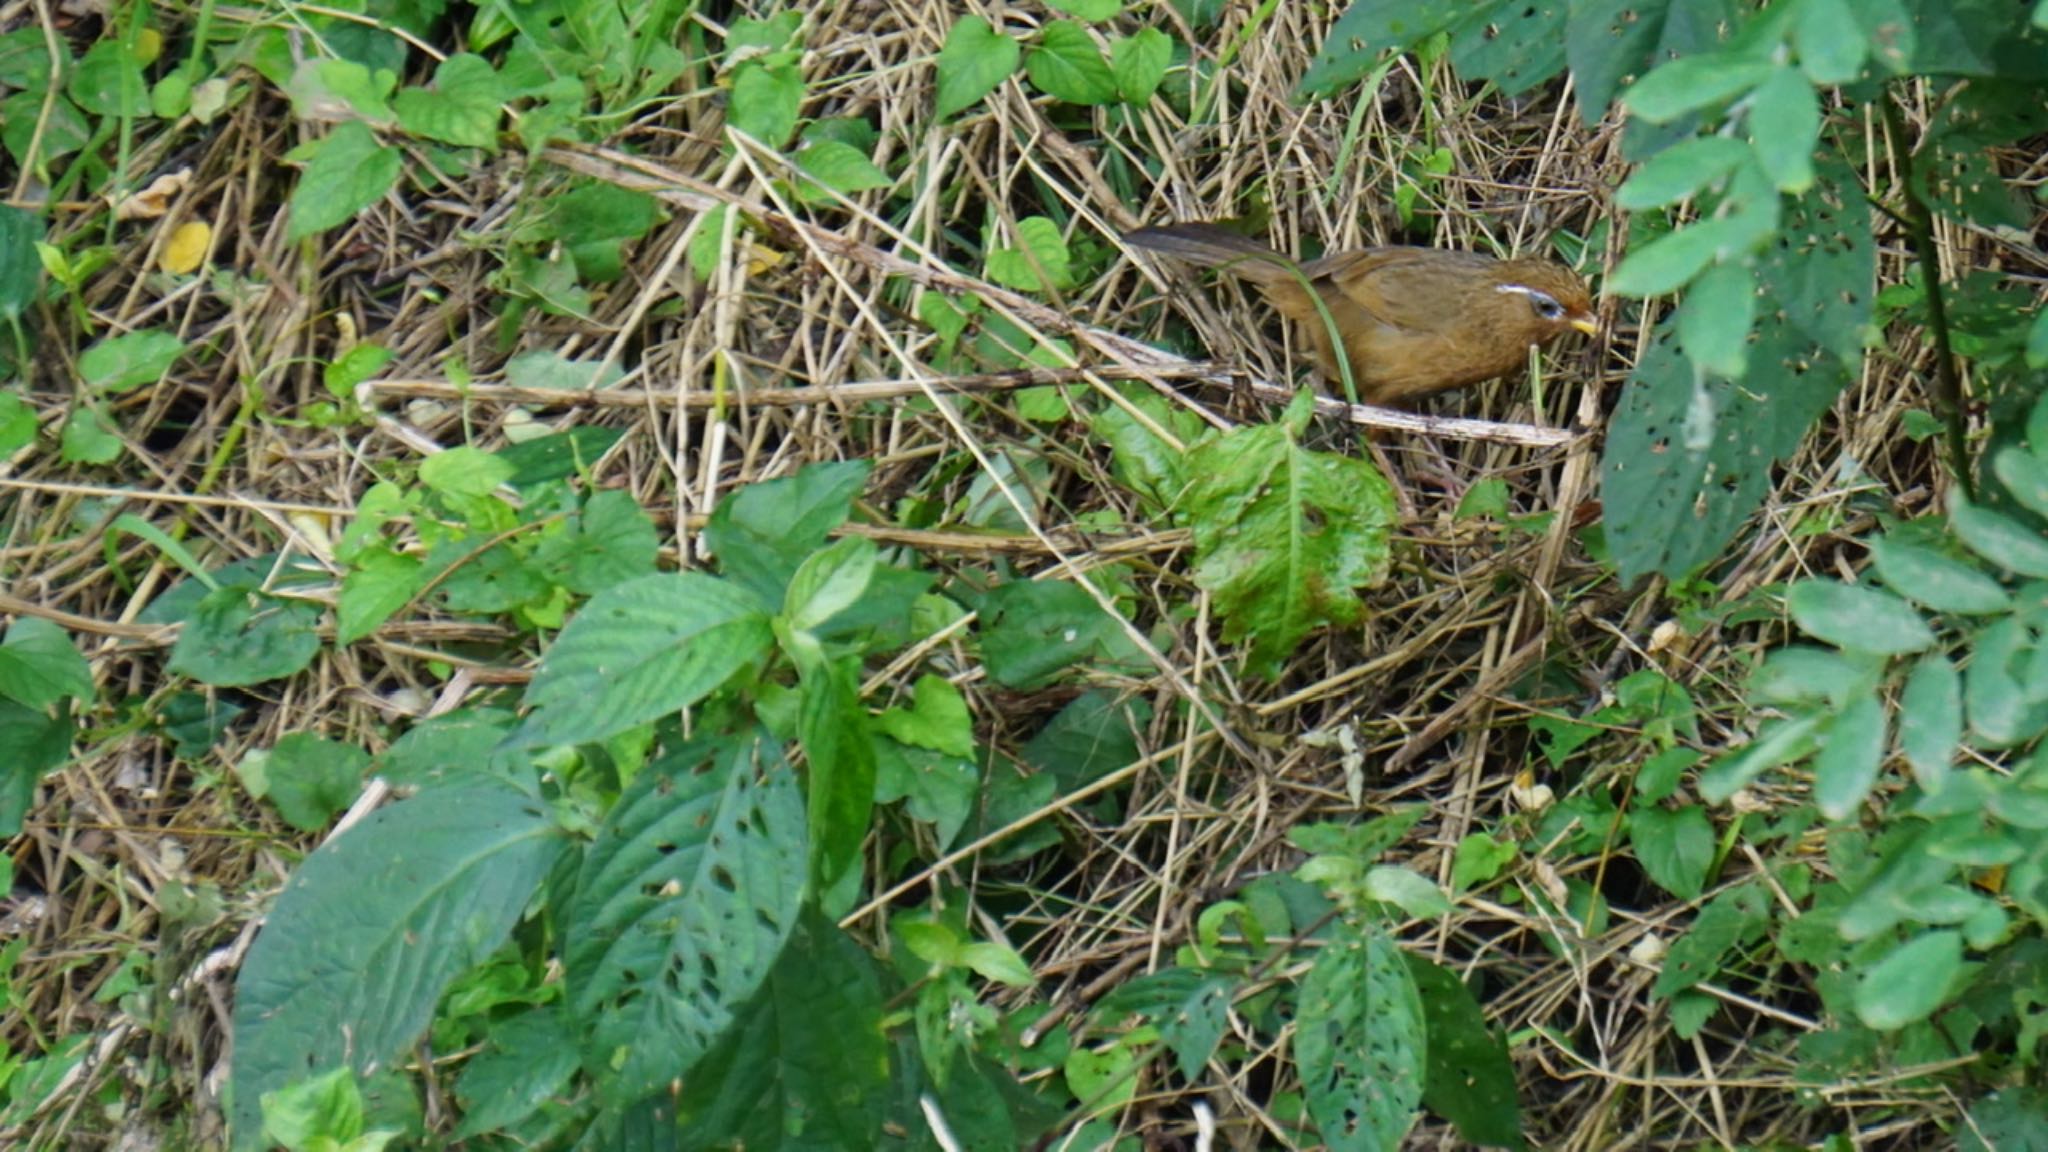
<point>1545,306</point>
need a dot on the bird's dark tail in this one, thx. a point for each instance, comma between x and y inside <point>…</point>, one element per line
<point>1214,246</point>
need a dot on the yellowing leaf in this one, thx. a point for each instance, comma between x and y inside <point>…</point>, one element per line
<point>186,248</point>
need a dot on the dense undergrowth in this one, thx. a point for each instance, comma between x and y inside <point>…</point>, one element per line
<point>597,575</point>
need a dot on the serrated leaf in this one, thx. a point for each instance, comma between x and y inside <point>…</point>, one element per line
<point>639,651</point>
<point>347,172</point>
<point>1066,65</point>
<point>765,531</point>
<point>126,362</point>
<point>682,907</point>
<point>1284,536</point>
<point>1856,618</point>
<point>1360,1042</point>
<point>372,928</point>
<point>975,59</point>
<point>1940,582</point>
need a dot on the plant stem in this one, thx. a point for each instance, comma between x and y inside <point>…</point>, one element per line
<point>1918,220</point>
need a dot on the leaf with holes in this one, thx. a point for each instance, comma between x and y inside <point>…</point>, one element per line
<point>683,904</point>
<point>1368,29</point>
<point>1517,44</point>
<point>1361,1042</point>
<point>1470,1079</point>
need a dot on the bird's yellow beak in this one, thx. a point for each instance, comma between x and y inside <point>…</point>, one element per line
<point>1586,324</point>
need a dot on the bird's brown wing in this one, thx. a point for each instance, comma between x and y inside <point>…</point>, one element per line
<point>1399,288</point>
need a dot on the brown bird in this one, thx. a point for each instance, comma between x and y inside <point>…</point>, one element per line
<point>1413,321</point>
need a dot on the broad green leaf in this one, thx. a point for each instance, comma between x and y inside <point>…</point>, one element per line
<point>597,222</point>
<point>372,928</point>
<point>681,908</point>
<point>1066,65</point>
<point>640,651</point>
<point>1675,847</point>
<point>829,582</point>
<point>938,719</point>
<point>1034,629</point>
<point>1039,263</point>
<point>1831,42</point>
<point>1091,737</point>
<point>1679,172</point>
<point>840,751</point>
<point>238,635</point>
<point>1780,742</point>
<point>379,582</point>
<point>1670,262</point>
<point>806,1067</point>
<point>1367,29</point>
<point>1518,46</point>
<point>1931,720</point>
<point>1107,1076</point>
<point>1731,920</point>
<point>464,470</point>
<point>2011,1117</point>
<point>1284,536</point>
<point>1690,84</point>
<point>463,108</point>
<point>841,167</point>
<point>352,368</point>
<point>1784,126</point>
<point>324,1111</point>
<point>86,439</point>
<point>1940,582</point>
<point>345,173</point>
<point>1845,770</point>
<point>1714,319</point>
<point>1405,889</point>
<point>126,362</point>
<point>107,81</point>
<point>975,59</point>
<point>1608,42</point>
<point>2001,711</point>
<point>31,744</point>
<point>1470,1080</point>
<point>526,1062</point>
<point>331,89</point>
<point>761,534</point>
<point>1907,986</point>
<point>1138,62</point>
<point>1360,1042</point>
<point>1805,674</point>
<point>21,272</point>
<point>309,778</point>
<point>2037,335</point>
<point>2025,475</point>
<point>1857,618</point>
<point>39,666</point>
<point>766,101</point>
<point>1998,538</point>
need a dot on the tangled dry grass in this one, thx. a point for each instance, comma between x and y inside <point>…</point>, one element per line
<point>138,867</point>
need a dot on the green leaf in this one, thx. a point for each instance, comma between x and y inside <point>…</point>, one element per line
<point>1139,62</point>
<point>326,1108</point>
<point>1998,538</point>
<point>2037,335</point>
<point>372,928</point>
<point>1285,537</point>
<point>840,750</point>
<point>1034,629</point>
<point>1909,984</point>
<point>31,744</point>
<point>764,532</point>
<point>975,59</point>
<point>1940,582</point>
<point>329,89</point>
<point>464,471</point>
<point>841,167</point>
<point>1067,66</point>
<point>1780,742</point>
<point>1367,29</point>
<point>1470,1079</point>
<point>1680,171</point>
<point>640,651</point>
<point>310,778</point>
<point>39,666</point>
<point>766,101</point>
<point>1690,84</point>
<point>806,1057</point>
<point>238,635</point>
<point>1040,264</point>
<point>682,906</point>
<point>345,173</point>
<point>1675,847</point>
<point>2025,475</point>
<point>596,222</point>
<point>1714,320</point>
<point>2002,712</point>
<point>464,107</point>
<point>830,581</point>
<point>1093,11</point>
<point>1846,769</point>
<point>1857,618</point>
<point>378,583</point>
<point>1518,46</point>
<point>86,439</point>
<point>352,368</point>
<point>938,719</point>
<point>1670,262</point>
<point>1094,735</point>
<point>527,1061</point>
<point>1784,126</point>
<point>1405,889</point>
<point>108,82</point>
<point>1729,921</point>
<point>1931,720</point>
<point>124,363</point>
<point>21,271</point>
<point>1831,43</point>
<point>1610,41</point>
<point>1360,1040</point>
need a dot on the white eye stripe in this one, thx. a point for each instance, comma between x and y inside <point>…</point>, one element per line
<point>1546,305</point>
